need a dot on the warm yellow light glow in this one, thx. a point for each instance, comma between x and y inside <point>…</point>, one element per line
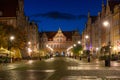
<point>46,45</point>
<point>29,50</point>
<point>114,48</point>
<point>30,61</point>
<point>74,45</point>
<point>49,47</point>
<point>106,23</point>
<point>79,42</point>
<point>81,52</point>
<point>12,38</point>
<point>86,36</point>
<point>97,49</point>
<point>29,42</point>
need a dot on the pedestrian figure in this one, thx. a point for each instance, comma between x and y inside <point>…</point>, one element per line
<point>88,58</point>
<point>40,58</point>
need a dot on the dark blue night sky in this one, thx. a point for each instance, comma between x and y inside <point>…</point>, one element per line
<point>66,14</point>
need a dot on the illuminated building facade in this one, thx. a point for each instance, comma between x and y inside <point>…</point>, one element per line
<point>101,35</point>
<point>12,13</point>
<point>57,41</point>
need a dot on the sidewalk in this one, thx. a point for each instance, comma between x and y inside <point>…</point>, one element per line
<point>96,64</point>
<point>93,70</point>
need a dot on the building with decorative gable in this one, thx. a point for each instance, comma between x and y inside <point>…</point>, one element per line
<point>57,42</point>
<point>100,35</point>
<point>12,13</point>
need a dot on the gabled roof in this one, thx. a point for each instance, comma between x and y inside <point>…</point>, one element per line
<point>51,34</point>
<point>8,8</point>
<point>112,4</point>
<point>93,18</point>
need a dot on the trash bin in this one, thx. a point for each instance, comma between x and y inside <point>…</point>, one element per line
<point>107,63</point>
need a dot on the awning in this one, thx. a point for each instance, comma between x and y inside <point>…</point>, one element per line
<point>5,52</point>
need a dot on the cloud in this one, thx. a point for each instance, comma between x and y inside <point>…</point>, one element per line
<point>35,20</point>
<point>82,16</point>
<point>59,15</point>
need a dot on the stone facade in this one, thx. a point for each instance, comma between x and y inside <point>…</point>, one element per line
<point>12,13</point>
<point>57,42</point>
<point>33,38</point>
<point>101,35</point>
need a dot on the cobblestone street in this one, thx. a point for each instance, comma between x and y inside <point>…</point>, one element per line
<point>60,68</point>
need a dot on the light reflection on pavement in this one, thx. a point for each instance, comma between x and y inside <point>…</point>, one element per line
<point>59,69</point>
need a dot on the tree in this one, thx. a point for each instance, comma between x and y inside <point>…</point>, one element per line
<point>104,50</point>
<point>20,37</point>
<point>76,50</point>
<point>4,34</point>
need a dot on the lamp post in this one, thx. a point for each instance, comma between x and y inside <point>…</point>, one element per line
<point>86,37</point>
<point>97,49</point>
<point>79,44</point>
<point>29,49</point>
<point>107,61</point>
<point>97,54</point>
<point>11,39</point>
<point>29,52</point>
<point>87,50</point>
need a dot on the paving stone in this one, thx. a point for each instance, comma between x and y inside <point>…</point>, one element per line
<point>113,77</point>
<point>81,78</point>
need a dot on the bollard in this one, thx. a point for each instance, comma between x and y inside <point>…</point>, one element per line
<point>80,57</point>
<point>107,62</point>
<point>40,58</point>
<point>88,59</point>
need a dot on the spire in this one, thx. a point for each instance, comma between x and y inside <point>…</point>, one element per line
<point>102,3</point>
<point>107,8</point>
<point>103,9</point>
<point>59,30</point>
<point>88,14</point>
<point>99,14</point>
<point>107,2</point>
<point>21,5</point>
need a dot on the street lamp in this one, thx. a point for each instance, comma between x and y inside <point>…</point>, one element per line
<point>87,48</point>
<point>97,51</point>
<point>29,49</point>
<point>79,42</point>
<point>107,62</point>
<point>74,45</point>
<point>86,37</point>
<point>29,43</point>
<point>11,39</point>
